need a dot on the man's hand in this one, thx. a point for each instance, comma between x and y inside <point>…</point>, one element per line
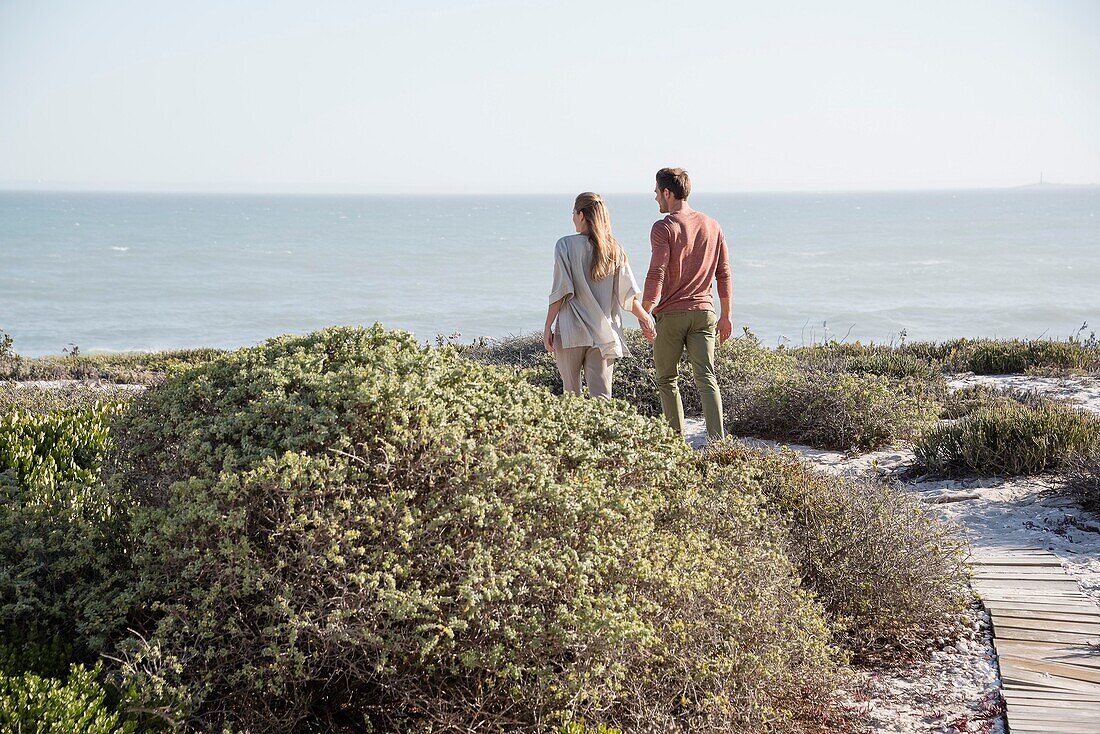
<point>548,339</point>
<point>725,328</point>
<point>649,330</point>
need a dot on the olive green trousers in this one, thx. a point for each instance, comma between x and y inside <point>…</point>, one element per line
<point>696,332</point>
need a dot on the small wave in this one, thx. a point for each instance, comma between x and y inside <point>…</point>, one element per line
<point>929,262</point>
<point>121,249</point>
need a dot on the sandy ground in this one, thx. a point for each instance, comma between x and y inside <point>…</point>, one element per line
<point>957,690</point>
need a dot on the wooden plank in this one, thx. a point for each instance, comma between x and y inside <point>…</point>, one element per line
<point>1060,671</point>
<point>1029,569</point>
<point>1027,716</point>
<point>1018,567</point>
<point>1012,633</point>
<point>1028,694</point>
<point>1040,601</point>
<point>1011,554</point>
<point>1017,564</point>
<point>1057,700</point>
<point>1001,578</point>
<point>1015,570</point>
<point>1040,604</point>
<point>1052,727</point>
<point>1054,652</point>
<point>1052,625</point>
<point>1041,614</point>
<point>1026,711</point>
<point>1063,584</point>
<point>1032,587</point>
<point>1011,558</point>
<point>1012,674</point>
<point>995,606</point>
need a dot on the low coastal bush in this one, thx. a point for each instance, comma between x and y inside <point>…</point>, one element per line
<point>345,531</point>
<point>63,565</point>
<point>1081,476</point>
<point>922,360</point>
<point>869,359</point>
<point>42,399</point>
<point>1008,438</point>
<point>889,573</point>
<point>125,367</point>
<point>988,357</point>
<point>972,398</point>
<point>832,410</point>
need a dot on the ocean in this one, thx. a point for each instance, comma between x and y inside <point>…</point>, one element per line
<point>123,271</point>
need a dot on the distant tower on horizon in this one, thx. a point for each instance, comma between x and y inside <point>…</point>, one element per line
<point>1040,178</point>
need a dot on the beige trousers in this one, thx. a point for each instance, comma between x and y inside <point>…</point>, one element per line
<point>597,370</point>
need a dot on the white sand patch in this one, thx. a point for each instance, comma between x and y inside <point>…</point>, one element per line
<point>1083,391</point>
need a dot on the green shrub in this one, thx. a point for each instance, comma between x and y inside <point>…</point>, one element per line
<point>63,567</point>
<point>32,704</point>
<point>1016,356</point>
<point>897,365</point>
<point>45,450</point>
<point>353,528</point>
<point>1081,476</point>
<point>921,360</point>
<point>32,651</point>
<point>869,359</point>
<point>972,398</point>
<point>832,410</point>
<point>1008,438</point>
<point>889,573</point>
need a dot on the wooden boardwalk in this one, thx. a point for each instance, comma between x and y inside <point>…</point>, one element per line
<point>1046,633</point>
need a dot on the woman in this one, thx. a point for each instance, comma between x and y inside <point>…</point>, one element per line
<point>592,282</point>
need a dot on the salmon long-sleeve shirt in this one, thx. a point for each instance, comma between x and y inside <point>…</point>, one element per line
<point>689,254</point>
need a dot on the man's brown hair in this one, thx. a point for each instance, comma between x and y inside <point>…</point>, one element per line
<point>675,180</point>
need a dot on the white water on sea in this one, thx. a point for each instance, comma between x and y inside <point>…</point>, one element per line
<point>154,271</point>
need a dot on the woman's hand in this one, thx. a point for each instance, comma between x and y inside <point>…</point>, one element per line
<point>645,320</point>
<point>548,339</point>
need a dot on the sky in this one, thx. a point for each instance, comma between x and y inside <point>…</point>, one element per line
<point>507,96</point>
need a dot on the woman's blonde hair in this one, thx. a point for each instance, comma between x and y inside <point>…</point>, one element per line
<point>607,254</point>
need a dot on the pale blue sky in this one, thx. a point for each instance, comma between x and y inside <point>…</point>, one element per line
<point>509,96</point>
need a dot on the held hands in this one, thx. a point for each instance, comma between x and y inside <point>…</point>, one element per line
<point>548,339</point>
<point>725,328</point>
<point>649,330</point>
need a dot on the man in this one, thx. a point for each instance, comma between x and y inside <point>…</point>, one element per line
<point>689,255</point>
